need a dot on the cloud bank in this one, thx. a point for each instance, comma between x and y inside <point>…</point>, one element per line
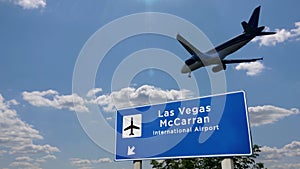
<point>125,97</point>
<point>146,94</point>
<point>129,96</point>
<point>268,114</point>
<point>281,36</point>
<point>277,158</point>
<point>17,139</point>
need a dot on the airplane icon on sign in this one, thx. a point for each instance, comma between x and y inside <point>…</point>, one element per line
<point>131,127</point>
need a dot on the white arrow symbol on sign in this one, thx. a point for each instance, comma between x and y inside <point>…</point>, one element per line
<point>130,150</point>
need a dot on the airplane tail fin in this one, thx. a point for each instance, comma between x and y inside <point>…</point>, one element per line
<point>253,21</point>
<point>252,26</point>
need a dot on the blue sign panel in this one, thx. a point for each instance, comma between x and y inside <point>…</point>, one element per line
<point>203,127</point>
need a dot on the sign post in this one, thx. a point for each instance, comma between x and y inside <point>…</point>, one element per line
<point>137,164</point>
<point>227,163</point>
<point>212,126</point>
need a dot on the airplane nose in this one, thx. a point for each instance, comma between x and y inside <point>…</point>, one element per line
<point>185,69</point>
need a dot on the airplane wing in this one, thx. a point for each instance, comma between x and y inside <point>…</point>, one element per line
<point>240,60</point>
<point>131,127</point>
<point>189,47</point>
<point>135,127</point>
<point>127,128</point>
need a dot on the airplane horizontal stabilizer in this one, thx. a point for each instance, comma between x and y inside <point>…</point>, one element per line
<point>240,60</point>
<point>265,33</point>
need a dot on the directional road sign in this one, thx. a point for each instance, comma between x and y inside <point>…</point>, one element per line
<point>202,127</point>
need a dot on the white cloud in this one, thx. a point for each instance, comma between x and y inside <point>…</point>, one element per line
<point>146,94</point>
<point>285,166</point>
<point>14,131</point>
<point>103,160</point>
<point>281,158</point>
<point>38,99</point>
<point>25,165</point>
<point>24,158</point>
<point>268,114</point>
<point>49,156</point>
<point>51,98</point>
<point>34,149</point>
<point>17,137</point>
<point>25,162</point>
<point>281,35</point>
<point>289,150</point>
<point>45,158</point>
<point>93,92</point>
<point>252,68</point>
<point>28,4</point>
<point>80,163</point>
<point>85,163</point>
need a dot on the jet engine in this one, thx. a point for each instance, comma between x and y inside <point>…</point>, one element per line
<point>219,67</point>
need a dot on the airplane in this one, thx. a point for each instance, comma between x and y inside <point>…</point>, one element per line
<point>216,56</point>
<point>131,127</point>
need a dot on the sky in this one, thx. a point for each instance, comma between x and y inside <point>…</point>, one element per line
<point>65,66</point>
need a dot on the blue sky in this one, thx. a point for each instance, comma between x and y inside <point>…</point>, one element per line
<point>42,112</point>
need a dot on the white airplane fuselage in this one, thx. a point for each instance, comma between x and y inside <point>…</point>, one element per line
<point>214,56</point>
